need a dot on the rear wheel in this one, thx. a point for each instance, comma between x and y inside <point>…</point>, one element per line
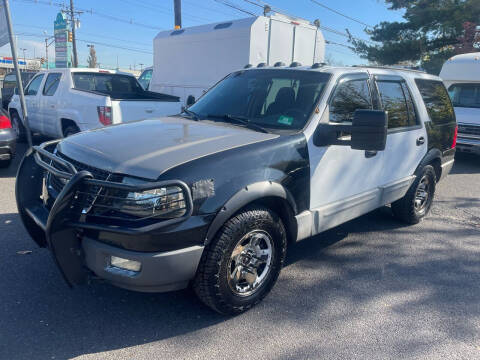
<point>241,265</point>
<point>70,130</point>
<point>416,203</point>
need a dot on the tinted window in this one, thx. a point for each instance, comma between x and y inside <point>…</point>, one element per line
<point>109,84</point>
<point>412,113</point>
<point>32,88</point>
<point>51,84</point>
<point>348,97</point>
<point>465,95</point>
<point>145,78</point>
<point>436,101</point>
<point>10,81</point>
<point>394,101</point>
<point>277,99</point>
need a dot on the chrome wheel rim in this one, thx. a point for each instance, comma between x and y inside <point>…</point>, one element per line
<point>422,195</point>
<point>250,263</point>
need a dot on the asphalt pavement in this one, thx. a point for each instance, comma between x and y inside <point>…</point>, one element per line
<point>370,289</point>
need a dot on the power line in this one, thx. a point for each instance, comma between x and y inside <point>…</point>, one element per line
<point>95,12</point>
<point>340,13</point>
<point>236,7</point>
<point>329,42</point>
<point>143,51</point>
<point>88,33</point>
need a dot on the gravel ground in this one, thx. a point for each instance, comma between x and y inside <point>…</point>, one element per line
<point>370,289</point>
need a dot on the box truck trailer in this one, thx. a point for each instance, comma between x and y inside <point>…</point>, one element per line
<point>189,61</point>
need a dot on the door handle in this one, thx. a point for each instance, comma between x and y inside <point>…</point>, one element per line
<point>420,141</point>
<point>149,111</point>
<point>370,154</point>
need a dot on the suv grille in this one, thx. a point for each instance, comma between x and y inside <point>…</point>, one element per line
<point>57,183</point>
<point>468,130</point>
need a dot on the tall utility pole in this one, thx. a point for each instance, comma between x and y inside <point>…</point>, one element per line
<point>74,40</point>
<point>177,6</point>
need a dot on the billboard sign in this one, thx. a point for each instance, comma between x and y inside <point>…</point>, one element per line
<point>62,46</point>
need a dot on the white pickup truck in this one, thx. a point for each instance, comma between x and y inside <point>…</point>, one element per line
<point>61,102</point>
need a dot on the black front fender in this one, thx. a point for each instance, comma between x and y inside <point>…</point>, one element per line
<point>245,196</point>
<point>28,188</point>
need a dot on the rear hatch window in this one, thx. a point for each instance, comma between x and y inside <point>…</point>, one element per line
<point>437,101</point>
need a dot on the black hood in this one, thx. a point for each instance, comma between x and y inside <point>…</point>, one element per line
<point>148,148</point>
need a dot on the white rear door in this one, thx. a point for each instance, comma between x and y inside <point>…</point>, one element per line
<point>49,104</point>
<point>345,183</point>
<point>406,139</point>
<point>32,101</point>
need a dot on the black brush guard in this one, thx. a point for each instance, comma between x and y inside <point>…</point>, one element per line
<point>57,227</point>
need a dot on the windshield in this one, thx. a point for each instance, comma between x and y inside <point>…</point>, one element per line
<point>145,78</point>
<point>109,84</point>
<point>278,99</point>
<point>465,95</point>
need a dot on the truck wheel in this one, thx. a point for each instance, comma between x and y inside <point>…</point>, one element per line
<point>416,203</point>
<point>70,130</point>
<point>17,125</point>
<point>241,265</point>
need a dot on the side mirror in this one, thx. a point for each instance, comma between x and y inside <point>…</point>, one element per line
<point>368,132</point>
<point>190,100</point>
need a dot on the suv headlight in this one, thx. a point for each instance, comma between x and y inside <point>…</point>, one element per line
<point>164,202</point>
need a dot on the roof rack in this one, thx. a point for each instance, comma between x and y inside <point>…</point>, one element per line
<point>389,68</point>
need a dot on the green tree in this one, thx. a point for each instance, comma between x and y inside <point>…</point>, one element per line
<point>432,32</point>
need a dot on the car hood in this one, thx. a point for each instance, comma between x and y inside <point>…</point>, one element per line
<point>150,147</point>
<point>467,115</point>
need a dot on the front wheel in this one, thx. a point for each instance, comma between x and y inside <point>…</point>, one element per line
<point>241,265</point>
<point>416,203</point>
<point>19,128</point>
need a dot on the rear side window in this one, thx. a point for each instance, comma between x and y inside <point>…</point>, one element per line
<point>436,101</point>
<point>51,84</point>
<point>108,84</point>
<point>32,88</point>
<point>465,95</point>
<point>348,97</point>
<point>397,101</point>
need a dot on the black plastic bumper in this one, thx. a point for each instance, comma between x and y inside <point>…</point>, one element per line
<point>8,143</point>
<point>74,241</point>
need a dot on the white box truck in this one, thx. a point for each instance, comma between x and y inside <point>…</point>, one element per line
<point>189,61</point>
<point>461,75</point>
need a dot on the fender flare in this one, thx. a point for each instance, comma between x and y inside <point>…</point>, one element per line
<point>431,156</point>
<point>245,196</point>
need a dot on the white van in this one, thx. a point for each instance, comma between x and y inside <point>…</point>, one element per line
<point>461,75</point>
<point>189,61</point>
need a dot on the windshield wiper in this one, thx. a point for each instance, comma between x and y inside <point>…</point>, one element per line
<point>191,113</point>
<point>240,120</point>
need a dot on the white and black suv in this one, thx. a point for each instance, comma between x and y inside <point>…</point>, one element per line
<point>211,197</point>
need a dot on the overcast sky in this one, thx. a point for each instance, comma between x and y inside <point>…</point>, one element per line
<point>109,23</point>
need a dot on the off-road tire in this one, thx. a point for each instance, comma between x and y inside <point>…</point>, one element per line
<point>17,122</point>
<point>404,208</point>
<point>211,283</point>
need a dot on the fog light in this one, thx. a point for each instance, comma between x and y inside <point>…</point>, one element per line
<point>125,264</point>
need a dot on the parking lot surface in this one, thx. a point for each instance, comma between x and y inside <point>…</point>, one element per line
<point>370,289</point>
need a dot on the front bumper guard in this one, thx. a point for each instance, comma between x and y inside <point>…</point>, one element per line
<point>57,227</point>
